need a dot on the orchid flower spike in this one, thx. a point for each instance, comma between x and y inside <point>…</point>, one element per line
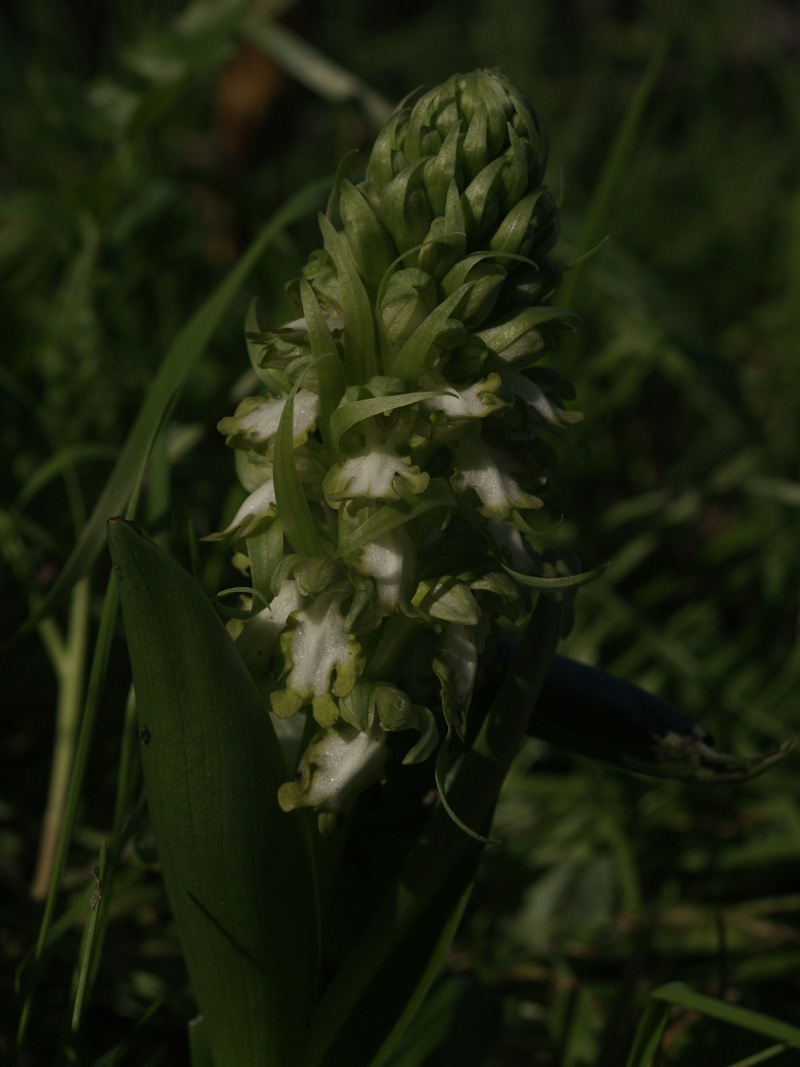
<point>398,457</point>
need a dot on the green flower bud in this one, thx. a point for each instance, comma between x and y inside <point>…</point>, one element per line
<point>370,245</point>
<point>475,130</point>
<point>485,280</point>
<point>409,298</point>
<point>530,284</point>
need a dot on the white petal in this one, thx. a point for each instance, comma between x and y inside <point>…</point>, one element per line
<point>369,473</point>
<point>257,504</point>
<point>474,402</point>
<point>390,561</point>
<point>319,647</point>
<point>485,469</point>
<point>261,424</point>
<point>260,634</point>
<point>513,549</point>
<point>531,393</point>
<point>346,760</point>
<point>461,656</point>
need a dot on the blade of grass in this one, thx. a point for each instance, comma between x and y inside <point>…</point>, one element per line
<point>58,465</point>
<point>620,154</point>
<point>760,1057</point>
<point>374,1029</point>
<point>755,1021</point>
<point>432,1024</point>
<point>69,663</point>
<point>96,680</point>
<point>648,1036</point>
<point>128,777</point>
<point>312,68</point>
<point>184,352</point>
<point>109,1059</point>
<point>88,945</point>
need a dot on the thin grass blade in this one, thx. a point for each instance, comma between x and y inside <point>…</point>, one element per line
<point>183,354</point>
<point>648,1036</point>
<point>755,1021</point>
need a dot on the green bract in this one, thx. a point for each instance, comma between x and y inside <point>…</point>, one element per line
<point>396,460</point>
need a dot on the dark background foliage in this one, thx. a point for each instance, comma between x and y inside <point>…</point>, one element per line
<point>141,148</point>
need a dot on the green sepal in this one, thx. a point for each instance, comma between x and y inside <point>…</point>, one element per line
<point>351,412</point>
<point>440,171</point>
<point>315,576</point>
<point>485,281</point>
<point>514,177</point>
<point>523,336</point>
<point>326,360</point>
<point>437,496</point>
<point>231,860</point>
<point>361,361</point>
<point>480,204</point>
<point>518,225</point>
<point>370,245</point>
<point>475,146</point>
<point>448,599</point>
<point>292,504</point>
<point>414,358</point>
<point>405,302</point>
<point>380,169</point>
<point>446,241</point>
<point>552,581</point>
<point>405,208</point>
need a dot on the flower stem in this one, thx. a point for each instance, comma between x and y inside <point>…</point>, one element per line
<point>394,638</point>
<point>473,795</point>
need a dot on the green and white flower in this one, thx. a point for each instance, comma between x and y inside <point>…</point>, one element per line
<point>397,456</point>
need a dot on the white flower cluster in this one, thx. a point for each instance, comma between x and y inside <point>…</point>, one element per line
<point>397,459</point>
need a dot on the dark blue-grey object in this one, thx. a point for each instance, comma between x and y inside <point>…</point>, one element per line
<point>594,714</point>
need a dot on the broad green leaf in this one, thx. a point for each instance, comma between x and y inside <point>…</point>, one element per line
<point>237,873</point>
<point>597,715</point>
<point>265,552</point>
<point>199,1048</point>
<point>184,352</point>
<point>372,248</point>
